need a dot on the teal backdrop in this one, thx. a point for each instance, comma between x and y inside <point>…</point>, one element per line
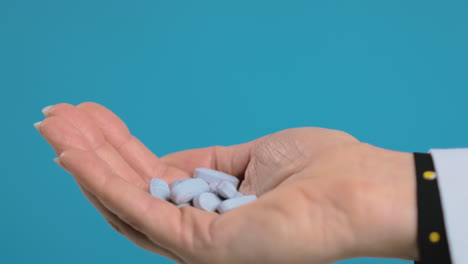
<point>188,74</point>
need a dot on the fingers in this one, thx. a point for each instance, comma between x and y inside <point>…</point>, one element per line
<point>80,122</point>
<point>133,151</point>
<point>80,141</point>
<point>67,128</point>
<point>157,218</point>
<point>61,135</point>
<point>140,158</point>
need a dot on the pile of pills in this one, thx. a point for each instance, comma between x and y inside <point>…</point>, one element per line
<point>209,190</point>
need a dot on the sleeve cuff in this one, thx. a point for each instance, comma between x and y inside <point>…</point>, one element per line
<point>451,166</point>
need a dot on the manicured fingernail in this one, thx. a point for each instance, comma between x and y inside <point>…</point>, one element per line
<point>37,124</point>
<point>46,109</point>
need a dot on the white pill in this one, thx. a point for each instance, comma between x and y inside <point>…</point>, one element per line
<point>206,201</point>
<point>185,191</point>
<point>230,204</point>
<point>159,188</point>
<point>226,190</point>
<point>182,205</point>
<point>238,194</point>
<point>214,186</point>
<point>214,176</point>
<point>175,183</point>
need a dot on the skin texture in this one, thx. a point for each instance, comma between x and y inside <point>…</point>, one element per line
<point>323,195</point>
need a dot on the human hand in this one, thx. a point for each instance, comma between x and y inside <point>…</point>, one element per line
<point>323,195</point>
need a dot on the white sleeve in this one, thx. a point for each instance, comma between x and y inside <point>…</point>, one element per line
<point>451,166</point>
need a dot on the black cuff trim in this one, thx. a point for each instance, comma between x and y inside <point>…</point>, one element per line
<point>432,239</point>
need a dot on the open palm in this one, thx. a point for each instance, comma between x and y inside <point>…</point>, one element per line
<point>304,179</point>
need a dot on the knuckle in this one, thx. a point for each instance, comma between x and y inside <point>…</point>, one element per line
<point>87,105</point>
<point>61,107</point>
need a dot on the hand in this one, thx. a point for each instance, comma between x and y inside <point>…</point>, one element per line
<point>323,195</point>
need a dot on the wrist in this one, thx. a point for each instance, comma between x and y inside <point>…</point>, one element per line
<point>387,222</point>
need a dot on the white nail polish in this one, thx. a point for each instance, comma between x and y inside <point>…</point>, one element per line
<point>37,124</point>
<point>46,109</point>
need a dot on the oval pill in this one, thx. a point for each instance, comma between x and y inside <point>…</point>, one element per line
<point>210,176</point>
<point>230,204</point>
<point>226,190</point>
<point>206,201</point>
<point>214,186</point>
<point>159,188</point>
<point>185,191</point>
<point>176,182</point>
<point>238,194</point>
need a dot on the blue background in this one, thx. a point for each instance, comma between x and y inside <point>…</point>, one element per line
<point>188,74</point>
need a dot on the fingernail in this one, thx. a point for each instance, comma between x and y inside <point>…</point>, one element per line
<point>36,125</point>
<point>46,109</point>
<point>57,160</point>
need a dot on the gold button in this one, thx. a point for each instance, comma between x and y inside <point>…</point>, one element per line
<point>429,175</point>
<point>434,237</point>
